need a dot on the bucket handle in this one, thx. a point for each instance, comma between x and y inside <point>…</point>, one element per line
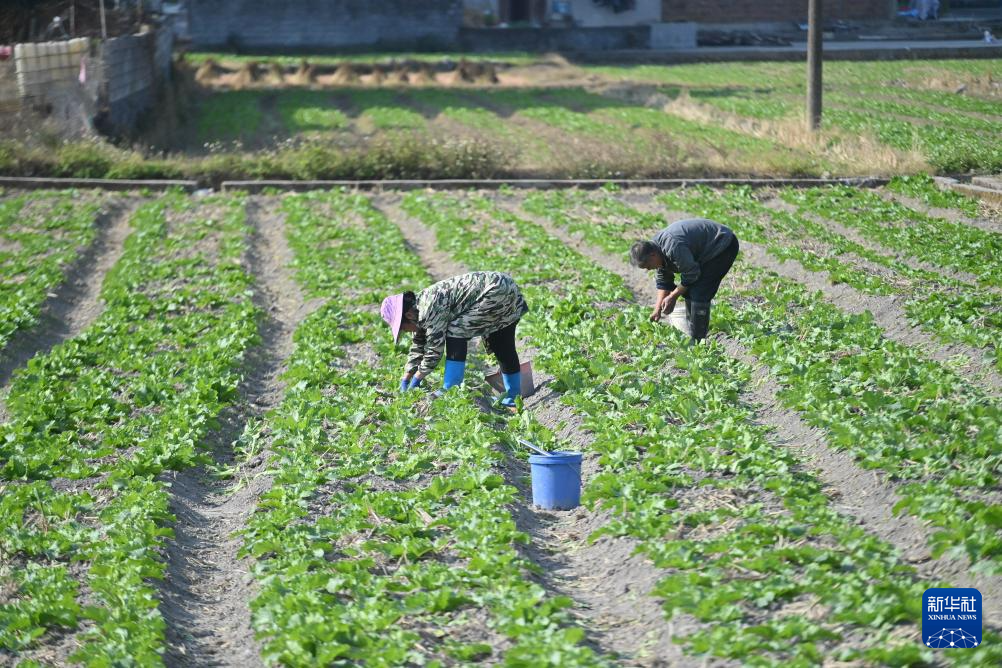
<point>536,449</point>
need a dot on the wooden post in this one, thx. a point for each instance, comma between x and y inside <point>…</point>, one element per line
<point>815,59</point>
<point>104,23</point>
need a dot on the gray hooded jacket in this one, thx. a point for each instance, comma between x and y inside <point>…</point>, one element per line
<point>686,244</point>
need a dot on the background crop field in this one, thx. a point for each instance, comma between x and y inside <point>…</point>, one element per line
<point>500,116</point>
<point>731,119</point>
<point>204,458</point>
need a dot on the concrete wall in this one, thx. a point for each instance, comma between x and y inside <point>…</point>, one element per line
<point>735,11</point>
<point>555,39</point>
<point>128,80</point>
<point>84,84</point>
<point>323,24</point>
<point>10,98</point>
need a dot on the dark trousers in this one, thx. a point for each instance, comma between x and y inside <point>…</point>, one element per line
<point>711,274</point>
<point>501,343</point>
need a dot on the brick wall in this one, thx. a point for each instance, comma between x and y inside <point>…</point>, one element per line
<point>737,11</point>
<point>323,24</point>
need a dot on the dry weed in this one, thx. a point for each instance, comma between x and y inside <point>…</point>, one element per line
<point>856,154</point>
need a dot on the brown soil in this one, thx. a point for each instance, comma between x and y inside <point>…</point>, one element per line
<point>986,224</point>
<point>869,244</point>
<point>207,591</point>
<point>76,303</point>
<point>607,581</point>
<point>888,313</point>
<point>869,496</point>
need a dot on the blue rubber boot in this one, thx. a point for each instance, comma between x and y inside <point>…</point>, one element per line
<point>513,388</point>
<point>454,372</point>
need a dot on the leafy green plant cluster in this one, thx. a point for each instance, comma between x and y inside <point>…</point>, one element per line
<point>883,402</point>
<point>233,115</point>
<point>953,310</point>
<point>95,423</point>
<point>948,149</point>
<point>772,570</point>
<point>386,111</point>
<point>938,241</point>
<point>387,536</point>
<point>36,246</point>
<point>953,132</point>
<point>888,406</point>
<point>922,187</point>
<point>937,100</point>
<point>899,109</point>
<point>309,111</point>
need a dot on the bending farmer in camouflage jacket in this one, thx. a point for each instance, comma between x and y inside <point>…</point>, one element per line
<point>450,313</point>
<point>701,251</point>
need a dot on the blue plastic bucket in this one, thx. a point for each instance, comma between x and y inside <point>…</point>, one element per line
<point>556,480</point>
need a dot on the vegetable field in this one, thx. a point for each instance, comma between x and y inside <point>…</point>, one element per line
<point>544,119</point>
<point>209,463</point>
<point>522,116</point>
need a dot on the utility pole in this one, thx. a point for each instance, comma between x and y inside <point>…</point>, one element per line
<point>815,59</point>
<point>104,23</point>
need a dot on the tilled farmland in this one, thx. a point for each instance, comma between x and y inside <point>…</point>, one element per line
<point>204,458</point>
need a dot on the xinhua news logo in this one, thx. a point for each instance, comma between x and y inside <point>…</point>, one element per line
<point>951,618</point>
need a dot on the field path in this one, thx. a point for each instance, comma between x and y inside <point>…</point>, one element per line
<point>76,303</point>
<point>208,589</point>
<point>865,495</point>
<point>609,584</point>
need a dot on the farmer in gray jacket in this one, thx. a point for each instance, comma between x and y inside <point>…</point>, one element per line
<point>701,251</point>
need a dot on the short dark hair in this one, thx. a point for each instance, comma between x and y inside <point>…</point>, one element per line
<point>641,251</point>
<point>410,301</point>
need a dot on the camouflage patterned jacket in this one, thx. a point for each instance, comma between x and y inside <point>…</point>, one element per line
<point>462,307</point>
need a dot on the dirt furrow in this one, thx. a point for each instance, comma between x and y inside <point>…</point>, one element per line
<point>952,215</point>
<point>871,245</point>
<point>888,313</point>
<point>608,580</point>
<point>76,303</point>
<point>207,592</point>
<point>887,310</point>
<point>866,495</point>
<point>609,584</point>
